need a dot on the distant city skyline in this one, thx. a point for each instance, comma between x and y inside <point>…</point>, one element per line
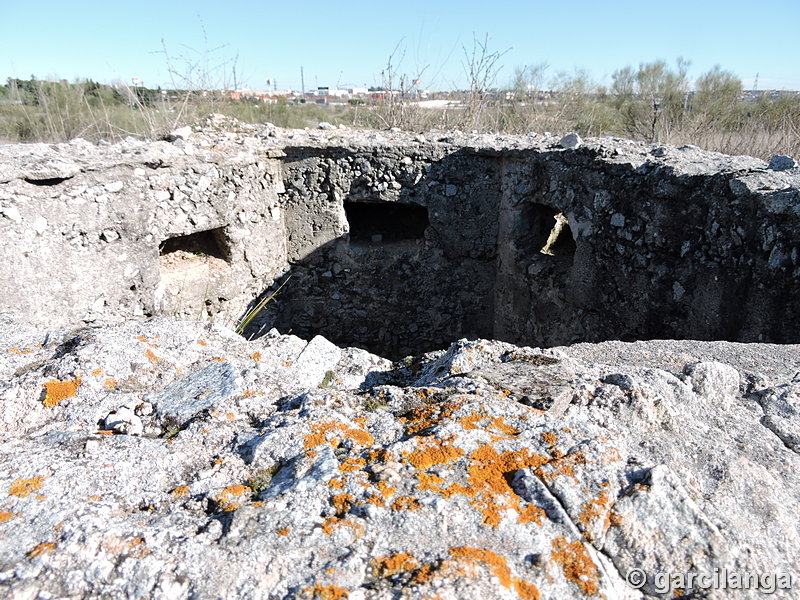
<point>346,45</point>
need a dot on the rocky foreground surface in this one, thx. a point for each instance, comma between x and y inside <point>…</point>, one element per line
<point>172,459</point>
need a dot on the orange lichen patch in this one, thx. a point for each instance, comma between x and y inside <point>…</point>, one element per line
<point>320,434</point>
<point>232,497</point>
<point>564,465</point>
<point>5,516</point>
<point>376,500</point>
<point>342,503</point>
<point>180,492</point>
<point>311,453</point>
<point>576,564</point>
<point>352,464</point>
<point>25,487</point>
<point>428,481</point>
<point>20,350</point>
<point>391,564</point>
<point>219,358</point>
<point>97,372</point>
<point>424,393</point>
<point>56,391</point>
<point>551,439</point>
<point>336,483</point>
<point>593,510</point>
<point>496,563</point>
<point>381,455</point>
<point>499,568</point>
<point>327,592</point>
<point>249,393</point>
<point>487,486</point>
<point>41,497</point>
<point>95,498</point>
<point>361,421</point>
<point>332,523</point>
<point>141,338</point>
<point>230,416</point>
<point>406,503</point>
<point>425,574</point>
<point>287,363</point>
<point>257,504</point>
<point>385,489</point>
<point>425,417</point>
<point>283,531</point>
<point>531,514</point>
<point>110,383</point>
<point>150,355</point>
<point>492,424</point>
<point>256,356</point>
<point>433,451</point>
<point>614,518</point>
<point>526,590</point>
<point>105,432</point>
<point>202,342</point>
<point>41,549</point>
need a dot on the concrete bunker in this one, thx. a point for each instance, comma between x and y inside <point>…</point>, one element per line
<point>402,254</point>
<point>403,246</point>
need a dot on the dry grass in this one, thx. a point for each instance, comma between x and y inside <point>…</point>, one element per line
<point>58,112</point>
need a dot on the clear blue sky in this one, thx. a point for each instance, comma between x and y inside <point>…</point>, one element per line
<point>348,42</point>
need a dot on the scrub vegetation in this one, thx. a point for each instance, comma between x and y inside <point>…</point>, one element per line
<point>654,102</point>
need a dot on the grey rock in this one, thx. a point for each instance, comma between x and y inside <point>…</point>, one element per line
<point>182,133</point>
<point>443,470</point>
<point>781,407</point>
<point>780,162</point>
<point>196,392</point>
<point>570,141</point>
<point>123,420</point>
<point>716,381</point>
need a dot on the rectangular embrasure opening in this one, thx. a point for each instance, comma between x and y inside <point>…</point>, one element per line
<point>201,243</point>
<point>385,221</point>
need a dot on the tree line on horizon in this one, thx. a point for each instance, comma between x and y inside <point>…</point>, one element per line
<point>654,102</point>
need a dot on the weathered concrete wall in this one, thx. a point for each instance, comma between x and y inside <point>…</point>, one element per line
<point>401,244</point>
<point>392,295</point>
<point>673,248</point>
<point>82,228</point>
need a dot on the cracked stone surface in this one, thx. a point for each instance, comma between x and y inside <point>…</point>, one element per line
<point>174,459</point>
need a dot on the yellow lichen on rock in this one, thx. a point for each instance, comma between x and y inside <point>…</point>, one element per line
<point>56,391</point>
<point>25,487</point>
